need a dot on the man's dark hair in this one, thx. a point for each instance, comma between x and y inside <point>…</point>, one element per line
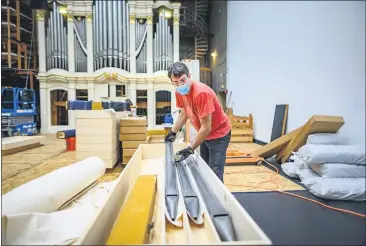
<point>177,69</point>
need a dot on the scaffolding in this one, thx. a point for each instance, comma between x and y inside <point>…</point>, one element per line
<point>18,40</point>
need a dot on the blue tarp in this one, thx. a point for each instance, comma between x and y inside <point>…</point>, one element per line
<point>79,105</point>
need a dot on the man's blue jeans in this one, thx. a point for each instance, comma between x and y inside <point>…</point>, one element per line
<point>213,152</point>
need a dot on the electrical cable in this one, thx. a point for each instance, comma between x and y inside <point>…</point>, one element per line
<point>274,177</point>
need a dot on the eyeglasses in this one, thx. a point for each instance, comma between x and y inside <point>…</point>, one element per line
<point>180,81</point>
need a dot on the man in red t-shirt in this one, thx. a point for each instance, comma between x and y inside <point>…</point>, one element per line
<point>200,105</point>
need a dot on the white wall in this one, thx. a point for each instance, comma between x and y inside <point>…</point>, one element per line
<point>100,90</point>
<point>310,55</point>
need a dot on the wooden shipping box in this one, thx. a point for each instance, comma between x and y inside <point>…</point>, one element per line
<point>97,134</point>
<point>149,160</point>
<point>133,121</point>
<point>128,152</point>
<point>132,129</point>
<point>132,137</point>
<point>132,144</point>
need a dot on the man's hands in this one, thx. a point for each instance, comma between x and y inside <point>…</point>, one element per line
<point>183,154</point>
<point>170,137</point>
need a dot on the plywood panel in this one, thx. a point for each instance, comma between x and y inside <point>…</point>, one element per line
<point>254,178</point>
<point>276,146</point>
<point>128,152</point>
<point>100,154</point>
<point>241,139</point>
<point>235,132</point>
<point>129,137</point>
<point>100,139</point>
<point>99,114</point>
<point>245,147</point>
<point>19,141</point>
<point>132,144</point>
<point>106,130</point>
<point>82,147</point>
<point>133,121</point>
<point>126,159</point>
<point>316,124</point>
<point>94,122</point>
<point>133,129</point>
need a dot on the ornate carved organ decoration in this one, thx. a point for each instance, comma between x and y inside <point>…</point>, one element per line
<point>56,39</point>
<point>110,34</point>
<point>162,43</point>
<point>141,51</point>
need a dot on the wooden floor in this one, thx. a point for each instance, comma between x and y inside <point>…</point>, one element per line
<point>22,167</point>
<point>245,147</point>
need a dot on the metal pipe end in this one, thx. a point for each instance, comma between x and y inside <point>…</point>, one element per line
<point>193,207</point>
<point>171,202</point>
<point>224,227</point>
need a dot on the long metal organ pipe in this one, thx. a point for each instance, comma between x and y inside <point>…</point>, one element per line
<point>110,28</point>
<point>56,40</point>
<point>80,45</point>
<point>141,51</point>
<point>162,44</point>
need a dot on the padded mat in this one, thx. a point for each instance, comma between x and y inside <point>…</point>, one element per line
<point>253,178</point>
<point>289,220</point>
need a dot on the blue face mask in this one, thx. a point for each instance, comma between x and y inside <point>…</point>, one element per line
<point>183,89</point>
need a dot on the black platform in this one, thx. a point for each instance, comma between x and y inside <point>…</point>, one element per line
<point>288,220</point>
<point>292,221</point>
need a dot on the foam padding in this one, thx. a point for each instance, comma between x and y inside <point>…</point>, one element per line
<point>133,222</point>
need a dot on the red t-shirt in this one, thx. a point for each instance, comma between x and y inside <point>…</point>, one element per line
<point>200,102</point>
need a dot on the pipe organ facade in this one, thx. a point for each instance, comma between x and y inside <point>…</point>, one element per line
<point>56,40</point>
<point>98,46</point>
<point>110,35</point>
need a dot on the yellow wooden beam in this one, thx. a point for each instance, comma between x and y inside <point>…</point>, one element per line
<point>133,223</point>
<point>155,132</point>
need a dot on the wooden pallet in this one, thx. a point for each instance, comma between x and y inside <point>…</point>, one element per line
<point>238,157</point>
<point>241,127</point>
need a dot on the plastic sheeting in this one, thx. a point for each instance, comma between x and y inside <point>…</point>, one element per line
<point>322,153</point>
<point>49,192</point>
<point>57,228</point>
<point>290,169</point>
<point>79,105</point>
<point>339,170</point>
<point>333,188</point>
<point>323,138</point>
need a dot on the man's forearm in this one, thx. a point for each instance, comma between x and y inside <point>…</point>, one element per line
<point>200,137</point>
<point>182,119</point>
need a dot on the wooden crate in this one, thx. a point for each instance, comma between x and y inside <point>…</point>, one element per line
<point>132,134</point>
<point>97,135</point>
<point>149,160</point>
<point>241,127</point>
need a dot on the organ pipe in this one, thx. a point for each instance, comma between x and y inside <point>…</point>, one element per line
<point>56,40</point>
<point>115,32</point>
<point>110,25</point>
<point>162,44</point>
<point>80,44</point>
<point>141,31</point>
<point>95,43</point>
